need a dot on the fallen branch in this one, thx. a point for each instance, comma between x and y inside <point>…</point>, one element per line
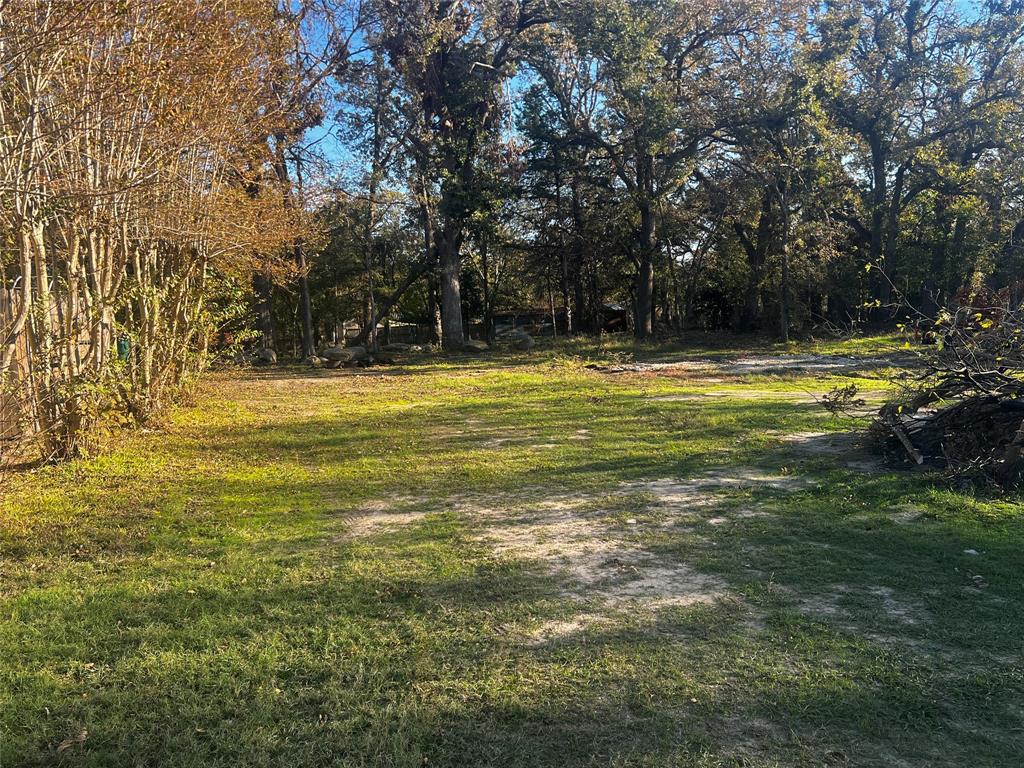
<point>965,413</point>
<point>901,435</point>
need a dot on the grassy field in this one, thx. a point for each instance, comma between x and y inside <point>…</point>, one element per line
<point>509,561</point>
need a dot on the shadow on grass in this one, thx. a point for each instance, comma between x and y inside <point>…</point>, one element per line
<point>406,649</point>
<point>240,626</point>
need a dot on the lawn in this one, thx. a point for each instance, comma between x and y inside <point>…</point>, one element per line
<point>511,560</point>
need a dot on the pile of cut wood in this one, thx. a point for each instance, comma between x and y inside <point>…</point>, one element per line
<point>965,411</point>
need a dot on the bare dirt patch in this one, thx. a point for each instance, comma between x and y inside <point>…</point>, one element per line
<point>603,565</point>
<point>596,560</point>
<point>383,515</point>
<point>820,442</point>
<point>560,630</point>
<point>847,449</point>
<point>593,559</point>
<point>699,490</point>
<point>751,364</point>
<point>683,502</point>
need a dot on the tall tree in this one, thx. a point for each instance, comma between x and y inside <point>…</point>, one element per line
<point>324,35</point>
<point>454,59</point>
<point>905,77</point>
<point>645,85</point>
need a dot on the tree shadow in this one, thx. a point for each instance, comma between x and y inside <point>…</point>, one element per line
<point>245,627</point>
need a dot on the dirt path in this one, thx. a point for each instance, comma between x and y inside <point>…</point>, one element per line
<point>756,364</point>
<point>597,558</point>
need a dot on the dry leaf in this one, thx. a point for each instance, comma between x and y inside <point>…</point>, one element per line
<point>70,742</point>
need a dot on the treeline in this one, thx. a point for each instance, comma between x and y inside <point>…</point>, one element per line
<point>712,164</point>
<point>176,172</point>
<point>134,196</point>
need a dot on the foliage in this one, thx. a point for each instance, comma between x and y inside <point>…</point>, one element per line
<point>715,165</point>
<point>129,163</point>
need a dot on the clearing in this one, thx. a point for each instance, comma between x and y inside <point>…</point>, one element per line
<point>672,559</point>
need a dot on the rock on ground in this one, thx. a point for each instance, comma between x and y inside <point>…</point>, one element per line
<point>345,354</point>
<point>265,356</point>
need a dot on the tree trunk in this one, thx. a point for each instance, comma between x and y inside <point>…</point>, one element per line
<point>385,306</point>
<point>567,295</point>
<point>563,255</point>
<point>370,332</point>
<point>434,309</point>
<point>677,300</point>
<point>784,281</point>
<point>878,197</point>
<point>263,288</point>
<point>371,208</point>
<point>488,309</point>
<point>589,320</point>
<point>890,232</point>
<point>452,334</point>
<point>955,270</point>
<point>644,328</point>
<point>551,309</point>
<point>305,303</point>
<point>756,252</point>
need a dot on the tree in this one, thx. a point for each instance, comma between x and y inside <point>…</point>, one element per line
<point>324,37</point>
<point>908,78</point>
<point>646,85</point>
<point>453,59</point>
<point>787,158</point>
<point>121,134</point>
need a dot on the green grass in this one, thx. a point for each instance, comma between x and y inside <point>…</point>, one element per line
<point>195,596</point>
<point>698,344</point>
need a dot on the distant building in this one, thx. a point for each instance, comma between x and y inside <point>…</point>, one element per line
<point>538,321</point>
<point>535,321</point>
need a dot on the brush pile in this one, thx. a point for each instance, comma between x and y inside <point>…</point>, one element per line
<point>965,411</point>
